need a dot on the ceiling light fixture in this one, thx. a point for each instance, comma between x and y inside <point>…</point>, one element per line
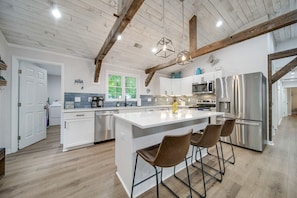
<point>119,37</point>
<point>164,47</point>
<point>56,12</point>
<point>219,23</point>
<point>184,57</point>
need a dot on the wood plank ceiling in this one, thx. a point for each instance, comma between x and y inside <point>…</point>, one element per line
<point>85,24</point>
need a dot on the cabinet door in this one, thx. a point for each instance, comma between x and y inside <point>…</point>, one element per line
<point>186,86</point>
<point>176,86</point>
<point>197,78</point>
<point>209,76</point>
<point>78,132</point>
<point>165,86</point>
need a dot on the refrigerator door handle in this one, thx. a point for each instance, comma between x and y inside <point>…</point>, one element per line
<point>248,123</point>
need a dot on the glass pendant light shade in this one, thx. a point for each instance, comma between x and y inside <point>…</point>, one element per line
<point>184,58</point>
<point>164,48</point>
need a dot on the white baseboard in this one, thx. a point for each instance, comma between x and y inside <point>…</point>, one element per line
<point>269,143</point>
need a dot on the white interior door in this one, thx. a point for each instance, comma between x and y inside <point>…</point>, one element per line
<point>32,98</point>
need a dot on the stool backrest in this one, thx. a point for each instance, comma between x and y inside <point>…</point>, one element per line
<point>228,127</point>
<point>210,135</point>
<point>173,150</point>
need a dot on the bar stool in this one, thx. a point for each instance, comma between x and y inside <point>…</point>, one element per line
<point>226,131</point>
<point>171,152</point>
<point>207,139</point>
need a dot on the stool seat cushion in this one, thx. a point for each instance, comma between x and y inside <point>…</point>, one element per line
<point>149,154</point>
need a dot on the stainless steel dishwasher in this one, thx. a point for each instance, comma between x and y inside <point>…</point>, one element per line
<point>104,125</point>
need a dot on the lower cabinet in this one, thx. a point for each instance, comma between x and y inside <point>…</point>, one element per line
<point>78,130</point>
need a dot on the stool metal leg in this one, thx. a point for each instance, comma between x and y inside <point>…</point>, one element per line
<point>157,182</point>
<point>223,159</point>
<point>232,151</point>
<point>134,175</point>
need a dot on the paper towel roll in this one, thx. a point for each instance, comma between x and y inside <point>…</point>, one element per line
<point>139,102</point>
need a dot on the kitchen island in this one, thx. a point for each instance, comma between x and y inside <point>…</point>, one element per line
<point>139,130</point>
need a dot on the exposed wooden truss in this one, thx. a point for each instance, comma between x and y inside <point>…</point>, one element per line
<point>263,28</point>
<point>273,78</point>
<point>129,10</point>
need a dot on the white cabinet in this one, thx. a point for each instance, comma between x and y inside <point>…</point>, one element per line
<point>165,86</point>
<point>78,129</point>
<point>186,85</point>
<point>170,86</point>
<point>175,86</point>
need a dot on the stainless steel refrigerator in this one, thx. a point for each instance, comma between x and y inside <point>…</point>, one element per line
<point>244,97</point>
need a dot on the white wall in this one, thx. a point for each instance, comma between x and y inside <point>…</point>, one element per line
<point>73,68</point>
<point>53,88</point>
<point>245,57</point>
<point>4,99</point>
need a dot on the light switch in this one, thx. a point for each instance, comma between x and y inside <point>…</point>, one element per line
<point>76,99</point>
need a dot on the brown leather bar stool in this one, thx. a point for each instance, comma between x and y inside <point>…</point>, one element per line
<point>226,131</point>
<point>207,139</point>
<point>171,152</point>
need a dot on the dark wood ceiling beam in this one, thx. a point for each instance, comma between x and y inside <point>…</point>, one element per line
<point>193,33</point>
<point>149,78</point>
<point>283,54</point>
<point>284,70</point>
<point>263,28</point>
<point>128,11</point>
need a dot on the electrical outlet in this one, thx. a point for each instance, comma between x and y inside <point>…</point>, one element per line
<point>89,99</point>
<point>149,100</point>
<point>76,99</point>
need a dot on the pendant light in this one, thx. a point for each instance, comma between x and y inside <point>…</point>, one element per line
<point>184,57</point>
<point>164,47</point>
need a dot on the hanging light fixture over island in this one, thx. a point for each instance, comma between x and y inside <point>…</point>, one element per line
<point>183,57</point>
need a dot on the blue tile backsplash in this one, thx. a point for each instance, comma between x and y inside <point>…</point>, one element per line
<point>146,100</point>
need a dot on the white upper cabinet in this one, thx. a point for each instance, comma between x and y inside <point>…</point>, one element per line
<point>183,86</point>
<point>186,85</point>
<point>176,86</point>
<point>165,86</point>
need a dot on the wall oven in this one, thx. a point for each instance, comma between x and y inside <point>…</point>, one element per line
<point>203,87</point>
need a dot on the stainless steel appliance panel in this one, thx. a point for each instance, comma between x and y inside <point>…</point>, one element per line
<point>104,126</point>
<point>244,97</point>
<point>247,134</point>
<point>248,96</point>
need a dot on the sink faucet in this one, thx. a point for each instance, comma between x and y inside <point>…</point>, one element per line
<point>125,104</point>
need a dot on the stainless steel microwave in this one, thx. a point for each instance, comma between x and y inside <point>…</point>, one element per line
<point>203,87</point>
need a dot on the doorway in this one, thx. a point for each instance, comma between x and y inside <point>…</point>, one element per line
<point>16,61</point>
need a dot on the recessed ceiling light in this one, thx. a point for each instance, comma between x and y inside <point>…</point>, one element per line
<point>154,50</point>
<point>56,13</point>
<point>219,23</point>
<point>119,37</point>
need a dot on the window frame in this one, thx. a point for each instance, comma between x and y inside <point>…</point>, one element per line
<point>123,78</point>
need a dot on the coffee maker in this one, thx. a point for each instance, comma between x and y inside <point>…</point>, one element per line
<point>100,101</point>
<point>94,102</point>
<point>97,101</point>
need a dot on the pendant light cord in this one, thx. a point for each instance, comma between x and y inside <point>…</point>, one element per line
<point>164,19</point>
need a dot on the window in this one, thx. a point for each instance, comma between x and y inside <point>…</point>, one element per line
<point>120,86</point>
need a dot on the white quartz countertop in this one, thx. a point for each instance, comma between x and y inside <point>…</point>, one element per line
<point>118,108</point>
<point>158,118</point>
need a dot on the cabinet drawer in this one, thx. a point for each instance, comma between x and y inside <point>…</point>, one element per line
<point>79,115</point>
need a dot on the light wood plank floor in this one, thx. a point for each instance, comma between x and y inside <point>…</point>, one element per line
<point>43,170</point>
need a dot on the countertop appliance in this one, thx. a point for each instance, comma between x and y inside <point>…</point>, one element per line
<point>203,87</point>
<point>104,125</point>
<point>97,101</point>
<point>244,97</point>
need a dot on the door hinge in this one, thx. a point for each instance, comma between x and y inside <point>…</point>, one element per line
<point>20,71</point>
<point>19,137</point>
<point>19,104</point>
